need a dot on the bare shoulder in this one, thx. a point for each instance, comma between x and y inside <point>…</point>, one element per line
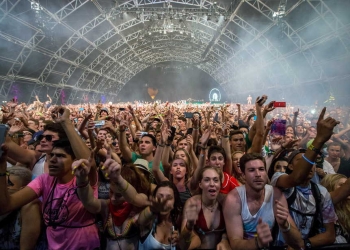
<point>233,198</point>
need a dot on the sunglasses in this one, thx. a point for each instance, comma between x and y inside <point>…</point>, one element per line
<point>47,137</point>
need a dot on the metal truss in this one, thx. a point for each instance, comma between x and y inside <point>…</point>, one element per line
<point>329,18</point>
<point>220,33</point>
<point>198,3</point>
<point>6,6</point>
<point>200,35</point>
<point>292,35</point>
<point>5,88</point>
<point>24,79</point>
<point>62,13</point>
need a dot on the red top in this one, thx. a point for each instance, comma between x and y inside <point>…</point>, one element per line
<point>228,184</point>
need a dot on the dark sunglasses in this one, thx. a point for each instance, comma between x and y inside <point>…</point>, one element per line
<point>47,137</point>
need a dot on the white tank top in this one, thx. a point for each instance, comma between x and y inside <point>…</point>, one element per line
<point>151,243</point>
<point>265,212</point>
<point>38,168</point>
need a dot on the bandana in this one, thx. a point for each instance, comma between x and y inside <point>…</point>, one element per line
<point>120,213</point>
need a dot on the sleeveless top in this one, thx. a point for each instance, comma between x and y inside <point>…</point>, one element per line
<point>38,168</point>
<point>10,231</point>
<point>265,212</point>
<point>201,226</point>
<point>151,243</point>
<point>184,196</point>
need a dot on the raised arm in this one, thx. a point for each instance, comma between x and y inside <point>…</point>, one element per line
<point>81,169</point>
<point>11,202</point>
<point>123,144</point>
<point>258,142</point>
<point>81,151</point>
<point>158,174</point>
<point>201,162</point>
<point>303,167</point>
<point>226,146</point>
<point>112,169</point>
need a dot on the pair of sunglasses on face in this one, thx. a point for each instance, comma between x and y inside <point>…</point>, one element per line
<point>47,137</point>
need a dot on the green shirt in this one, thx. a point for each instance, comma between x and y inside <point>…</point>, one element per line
<point>135,156</point>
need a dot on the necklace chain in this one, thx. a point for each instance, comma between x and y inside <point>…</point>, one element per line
<point>210,208</point>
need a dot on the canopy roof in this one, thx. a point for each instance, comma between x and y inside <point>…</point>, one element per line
<point>97,46</point>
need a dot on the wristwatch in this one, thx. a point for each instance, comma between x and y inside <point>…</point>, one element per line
<point>307,244</point>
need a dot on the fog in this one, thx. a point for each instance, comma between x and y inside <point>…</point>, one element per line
<point>302,59</point>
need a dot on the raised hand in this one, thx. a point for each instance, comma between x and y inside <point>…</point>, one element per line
<point>296,113</point>
<point>191,211</point>
<point>60,114</point>
<point>7,117</point>
<point>269,107</point>
<point>290,144</point>
<point>110,167</point>
<point>205,137</point>
<point>81,168</point>
<point>189,140</point>
<point>261,100</point>
<point>159,204</point>
<point>325,127</point>
<point>264,234</point>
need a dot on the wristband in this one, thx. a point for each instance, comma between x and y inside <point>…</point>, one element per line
<point>225,136</point>
<point>286,230</point>
<point>136,140</point>
<point>312,147</point>
<point>306,159</point>
<point>161,145</point>
<point>168,145</point>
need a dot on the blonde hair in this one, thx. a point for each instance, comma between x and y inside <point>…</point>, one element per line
<point>342,208</point>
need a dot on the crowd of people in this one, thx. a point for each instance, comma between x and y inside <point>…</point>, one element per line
<point>173,176</point>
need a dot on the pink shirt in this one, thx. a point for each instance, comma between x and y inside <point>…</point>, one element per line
<point>70,225</point>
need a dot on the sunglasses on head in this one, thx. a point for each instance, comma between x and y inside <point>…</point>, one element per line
<point>47,137</point>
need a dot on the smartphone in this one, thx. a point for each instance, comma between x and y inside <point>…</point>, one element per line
<point>189,131</point>
<point>254,117</point>
<point>121,109</point>
<point>188,115</point>
<point>3,131</point>
<point>173,131</point>
<point>278,127</point>
<point>143,133</point>
<point>279,104</point>
<point>99,124</point>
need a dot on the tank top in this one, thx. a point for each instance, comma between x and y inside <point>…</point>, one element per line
<point>38,168</point>
<point>265,212</point>
<point>152,243</point>
<point>201,226</point>
<point>184,196</point>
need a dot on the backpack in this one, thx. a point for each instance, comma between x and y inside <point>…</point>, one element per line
<point>318,222</point>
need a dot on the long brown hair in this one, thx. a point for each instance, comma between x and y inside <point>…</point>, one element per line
<point>133,175</point>
<point>342,209</point>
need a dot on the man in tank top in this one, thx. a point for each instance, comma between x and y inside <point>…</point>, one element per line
<point>257,206</point>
